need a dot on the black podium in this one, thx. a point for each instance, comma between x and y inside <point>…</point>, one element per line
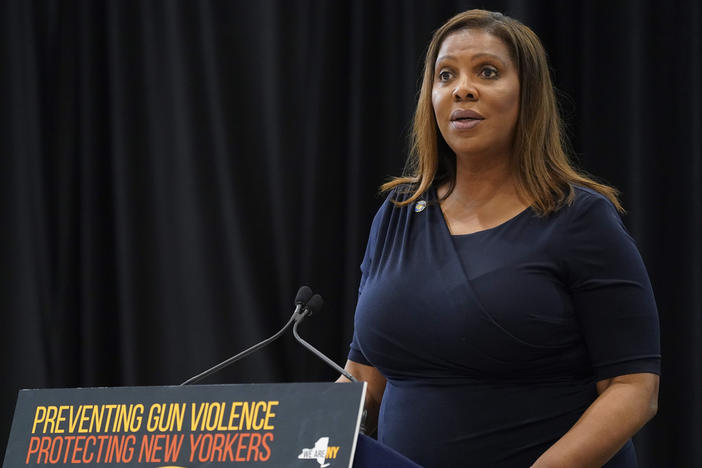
<point>274,425</point>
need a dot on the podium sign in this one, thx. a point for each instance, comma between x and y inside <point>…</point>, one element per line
<point>304,425</point>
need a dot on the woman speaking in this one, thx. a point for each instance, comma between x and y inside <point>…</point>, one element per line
<point>505,317</point>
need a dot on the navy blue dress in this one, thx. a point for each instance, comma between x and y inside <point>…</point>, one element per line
<point>491,342</point>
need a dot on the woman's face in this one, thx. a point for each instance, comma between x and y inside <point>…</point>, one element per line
<point>475,94</point>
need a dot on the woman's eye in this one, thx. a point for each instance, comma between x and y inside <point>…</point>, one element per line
<point>488,72</point>
<point>444,75</point>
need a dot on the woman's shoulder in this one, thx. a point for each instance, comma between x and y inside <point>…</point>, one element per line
<point>587,201</point>
<point>583,194</point>
<point>587,217</point>
<point>396,197</point>
<point>593,216</point>
<point>404,192</point>
<point>394,211</point>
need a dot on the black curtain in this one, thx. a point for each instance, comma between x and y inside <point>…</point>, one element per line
<point>171,172</point>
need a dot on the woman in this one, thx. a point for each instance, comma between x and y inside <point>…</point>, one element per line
<point>505,317</point>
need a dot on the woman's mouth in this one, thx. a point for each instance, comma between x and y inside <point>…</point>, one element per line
<point>464,124</point>
<point>464,119</point>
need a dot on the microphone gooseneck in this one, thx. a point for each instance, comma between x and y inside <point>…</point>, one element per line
<point>315,305</point>
<point>303,296</point>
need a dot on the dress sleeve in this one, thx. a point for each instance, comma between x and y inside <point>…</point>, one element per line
<point>355,353</point>
<point>611,291</point>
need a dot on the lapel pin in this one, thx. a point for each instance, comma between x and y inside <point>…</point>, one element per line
<point>419,206</point>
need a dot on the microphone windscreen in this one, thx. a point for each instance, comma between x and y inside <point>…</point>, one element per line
<point>315,304</point>
<point>303,295</point>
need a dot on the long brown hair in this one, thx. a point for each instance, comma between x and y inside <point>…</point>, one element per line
<point>543,170</point>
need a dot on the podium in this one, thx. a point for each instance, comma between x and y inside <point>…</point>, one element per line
<point>272,425</point>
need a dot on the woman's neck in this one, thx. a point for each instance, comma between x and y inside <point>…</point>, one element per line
<point>483,182</point>
<point>485,196</point>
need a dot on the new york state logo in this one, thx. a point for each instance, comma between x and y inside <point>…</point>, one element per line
<point>321,452</point>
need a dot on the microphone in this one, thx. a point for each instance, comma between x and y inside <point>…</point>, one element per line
<point>315,305</point>
<point>304,295</point>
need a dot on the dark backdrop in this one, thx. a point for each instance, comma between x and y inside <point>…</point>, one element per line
<point>171,172</point>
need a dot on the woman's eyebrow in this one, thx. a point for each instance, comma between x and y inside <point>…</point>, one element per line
<point>476,56</point>
<point>489,55</point>
<point>444,58</point>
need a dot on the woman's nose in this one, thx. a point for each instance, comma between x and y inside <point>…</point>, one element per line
<point>465,90</point>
